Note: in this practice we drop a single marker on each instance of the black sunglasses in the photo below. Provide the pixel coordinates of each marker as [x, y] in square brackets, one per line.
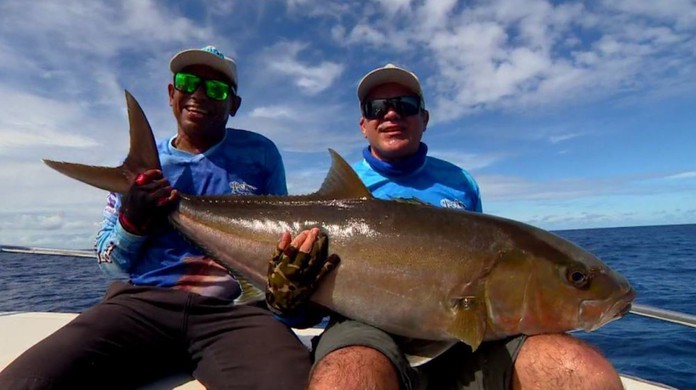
[214, 89]
[403, 105]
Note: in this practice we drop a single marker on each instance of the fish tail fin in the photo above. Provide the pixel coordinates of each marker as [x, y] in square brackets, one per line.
[141, 156]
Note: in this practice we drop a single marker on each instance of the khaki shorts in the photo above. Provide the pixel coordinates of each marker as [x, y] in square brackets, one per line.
[490, 367]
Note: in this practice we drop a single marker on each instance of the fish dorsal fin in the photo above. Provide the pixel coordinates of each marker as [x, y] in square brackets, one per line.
[342, 182]
[141, 157]
[419, 352]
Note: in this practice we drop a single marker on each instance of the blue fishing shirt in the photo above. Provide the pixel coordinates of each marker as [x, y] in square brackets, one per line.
[428, 179]
[243, 163]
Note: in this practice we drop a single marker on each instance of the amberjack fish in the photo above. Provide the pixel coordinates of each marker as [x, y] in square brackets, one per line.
[425, 273]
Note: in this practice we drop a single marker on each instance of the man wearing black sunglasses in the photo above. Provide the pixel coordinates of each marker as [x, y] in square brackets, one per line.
[395, 162]
[352, 355]
[177, 311]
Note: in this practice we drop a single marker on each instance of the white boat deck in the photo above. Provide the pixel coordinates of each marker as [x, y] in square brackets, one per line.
[20, 330]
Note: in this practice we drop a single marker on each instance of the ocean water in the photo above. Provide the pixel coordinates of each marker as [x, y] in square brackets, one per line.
[659, 261]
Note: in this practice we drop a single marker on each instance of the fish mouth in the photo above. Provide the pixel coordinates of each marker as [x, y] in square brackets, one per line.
[594, 314]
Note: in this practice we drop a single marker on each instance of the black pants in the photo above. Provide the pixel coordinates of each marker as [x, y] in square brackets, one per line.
[138, 334]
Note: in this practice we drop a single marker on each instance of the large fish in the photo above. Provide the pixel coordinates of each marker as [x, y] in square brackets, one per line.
[413, 270]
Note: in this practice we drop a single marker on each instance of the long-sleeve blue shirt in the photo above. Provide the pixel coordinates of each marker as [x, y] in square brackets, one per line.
[242, 163]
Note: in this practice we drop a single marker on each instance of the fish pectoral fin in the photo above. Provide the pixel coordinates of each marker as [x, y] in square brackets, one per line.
[469, 324]
[250, 293]
[419, 351]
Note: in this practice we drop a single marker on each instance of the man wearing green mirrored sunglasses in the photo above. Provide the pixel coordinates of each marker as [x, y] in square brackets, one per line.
[177, 312]
[203, 95]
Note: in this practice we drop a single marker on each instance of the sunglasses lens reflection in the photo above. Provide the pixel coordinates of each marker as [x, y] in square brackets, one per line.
[403, 105]
[214, 89]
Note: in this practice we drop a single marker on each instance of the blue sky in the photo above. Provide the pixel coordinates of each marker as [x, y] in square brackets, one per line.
[569, 114]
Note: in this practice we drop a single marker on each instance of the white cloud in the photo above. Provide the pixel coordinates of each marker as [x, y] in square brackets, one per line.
[23, 126]
[469, 161]
[366, 34]
[434, 14]
[681, 176]
[283, 59]
[394, 7]
[317, 8]
[504, 54]
[554, 139]
[681, 12]
[325, 127]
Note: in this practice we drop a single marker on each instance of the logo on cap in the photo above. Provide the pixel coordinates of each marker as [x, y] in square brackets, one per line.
[214, 50]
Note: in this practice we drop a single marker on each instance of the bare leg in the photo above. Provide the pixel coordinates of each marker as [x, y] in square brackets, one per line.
[560, 361]
[354, 367]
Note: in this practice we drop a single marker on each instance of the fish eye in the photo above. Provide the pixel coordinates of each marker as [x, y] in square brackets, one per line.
[578, 278]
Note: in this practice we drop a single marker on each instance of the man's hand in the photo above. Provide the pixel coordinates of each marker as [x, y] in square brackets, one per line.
[147, 203]
[293, 274]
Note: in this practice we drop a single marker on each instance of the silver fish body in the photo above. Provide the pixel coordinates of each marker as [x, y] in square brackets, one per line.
[415, 270]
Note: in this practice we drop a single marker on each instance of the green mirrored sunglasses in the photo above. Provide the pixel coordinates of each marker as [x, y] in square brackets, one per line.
[214, 89]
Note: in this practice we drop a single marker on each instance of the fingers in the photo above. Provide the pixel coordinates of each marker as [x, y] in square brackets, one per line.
[299, 239]
[305, 240]
[321, 246]
[160, 194]
[170, 199]
[310, 239]
[148, 176]
[331, 263]
[284, 241]
[152, 180]
[298, 250]
[156, 189]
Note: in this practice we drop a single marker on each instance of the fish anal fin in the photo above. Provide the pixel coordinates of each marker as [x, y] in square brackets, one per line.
[419, 351]
[469, 325]
[342, 182]
[250, 293]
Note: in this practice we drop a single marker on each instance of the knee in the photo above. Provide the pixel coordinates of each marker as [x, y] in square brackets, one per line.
[562, 361]
[354, 367]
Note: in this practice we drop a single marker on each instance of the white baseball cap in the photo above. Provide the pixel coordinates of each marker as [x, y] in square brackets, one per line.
[389, 73]
[209, 56]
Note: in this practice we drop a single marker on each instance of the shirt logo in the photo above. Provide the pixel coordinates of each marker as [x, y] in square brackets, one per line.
[105, 257]
[242, 188]
[452, 204]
